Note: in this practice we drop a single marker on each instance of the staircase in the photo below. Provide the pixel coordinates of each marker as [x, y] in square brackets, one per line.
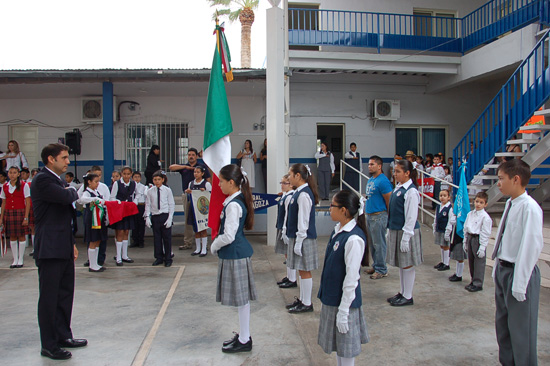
[486, 142]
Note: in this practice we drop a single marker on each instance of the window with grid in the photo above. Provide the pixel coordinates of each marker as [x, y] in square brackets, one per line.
[172, 138]
[435, 23]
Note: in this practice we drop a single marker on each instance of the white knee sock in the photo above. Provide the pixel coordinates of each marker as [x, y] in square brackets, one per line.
[92, 257]
[22, 245]
[446, 257]
[291, 274]
[204, 242]
[401, 280]
[14, 252]
[307, 285]
[118, 251]
[442, 255]
[459, 269]
[244, 323]
[345, 361]
[125, 249]
[198, 244]
[408, 282]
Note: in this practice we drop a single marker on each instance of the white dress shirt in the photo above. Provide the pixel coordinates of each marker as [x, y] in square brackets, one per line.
[101, 188]
[319, 155]
[438, 171]
[478, 223]
[140, 192]
[207, 187]
[412, 198]
[522, 239]
[304, 208]
[286, 197]
[114, 190]
[167, 203]
[353, 254]
[11, 189]
[233, 214]
[87, 197]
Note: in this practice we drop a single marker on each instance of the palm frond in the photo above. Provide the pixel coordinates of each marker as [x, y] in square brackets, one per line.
[234, 15]
[220, 12]
[219, 2]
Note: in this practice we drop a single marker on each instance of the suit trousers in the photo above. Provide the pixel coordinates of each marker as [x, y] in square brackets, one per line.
[55, 304]
[162, 238]
[476, 264]
[515, 321]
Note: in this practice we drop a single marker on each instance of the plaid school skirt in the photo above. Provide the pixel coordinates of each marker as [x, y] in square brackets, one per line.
[308, 261]
[236, 285]
[439, 239]
[345, 345]
[13, 223]
[280, 246]
[395, 257]
[31, 217]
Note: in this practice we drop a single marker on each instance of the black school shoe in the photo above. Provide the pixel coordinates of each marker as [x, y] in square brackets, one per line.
[101, 269]
[402, 301]
[455, 278]
[439, 265]
[59, 354]
[232, 340]
[283, 281]
[301, 308]
[87, 264]
[237, 346]
[475, 288]
[296, 302]
[468, 286]
[288, 284]
[444, 268]
[394, 297]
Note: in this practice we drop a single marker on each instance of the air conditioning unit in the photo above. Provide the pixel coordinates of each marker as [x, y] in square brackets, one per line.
[91, 110]
[388, 110]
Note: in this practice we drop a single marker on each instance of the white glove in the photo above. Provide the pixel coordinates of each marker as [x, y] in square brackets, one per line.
[519, 296]
[447, 237]
[118, 201]
[214, 247]
[481, 252]
[298, 248]
[465, 247]
[286, 240]
[405, 245]
[168, 224]
[433, 228]
[148, 222]
[387, 235]
[342, 321]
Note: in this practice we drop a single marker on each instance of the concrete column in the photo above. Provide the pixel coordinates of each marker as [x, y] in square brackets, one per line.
[277, 164]
[108, 132]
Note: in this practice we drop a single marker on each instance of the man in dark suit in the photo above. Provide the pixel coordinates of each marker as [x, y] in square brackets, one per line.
[55, 253]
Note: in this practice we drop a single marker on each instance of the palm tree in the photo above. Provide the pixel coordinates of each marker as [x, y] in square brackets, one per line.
[245, 14]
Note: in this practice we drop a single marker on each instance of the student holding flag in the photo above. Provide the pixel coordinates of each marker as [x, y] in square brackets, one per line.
[460, 209]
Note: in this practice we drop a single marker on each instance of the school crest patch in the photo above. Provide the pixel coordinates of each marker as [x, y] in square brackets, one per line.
[221, 216]
[336, 245]
[292, 201]
[398, 193]
[444, 213]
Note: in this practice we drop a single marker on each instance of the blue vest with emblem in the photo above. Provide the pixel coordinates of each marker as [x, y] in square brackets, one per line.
[442, 218]
[126, 193]
[396, 218]
[292, 217]
[281, 211]
[334, 270]
[240, 248]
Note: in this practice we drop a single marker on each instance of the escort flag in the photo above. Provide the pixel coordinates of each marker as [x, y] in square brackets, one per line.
[462, 202]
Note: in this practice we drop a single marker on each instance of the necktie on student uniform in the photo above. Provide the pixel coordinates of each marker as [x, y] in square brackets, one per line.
[158, 198]
[501, 231]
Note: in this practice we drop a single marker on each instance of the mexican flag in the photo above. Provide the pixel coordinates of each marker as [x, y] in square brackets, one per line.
[217, 127]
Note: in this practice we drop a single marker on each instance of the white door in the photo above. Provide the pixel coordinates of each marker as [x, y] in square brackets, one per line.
[27, 138]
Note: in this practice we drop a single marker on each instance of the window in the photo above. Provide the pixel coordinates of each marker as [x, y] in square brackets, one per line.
[172, 138]
[421, 140]
[435, 23]
[301, 19]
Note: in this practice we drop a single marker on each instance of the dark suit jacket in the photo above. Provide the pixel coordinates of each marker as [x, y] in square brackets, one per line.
[53, 214]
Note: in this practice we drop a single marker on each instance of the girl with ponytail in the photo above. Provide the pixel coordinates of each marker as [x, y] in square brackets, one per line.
[235, 278]
[342, 325]
[300, 234]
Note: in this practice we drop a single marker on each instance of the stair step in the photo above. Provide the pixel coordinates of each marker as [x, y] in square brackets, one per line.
[507, 153]
[542, 112]
[541, 32]
[532, 185]
[490, 166]
[522, 141]
[495, 177]
[538, 127]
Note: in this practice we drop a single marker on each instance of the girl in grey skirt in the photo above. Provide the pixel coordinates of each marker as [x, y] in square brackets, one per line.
[443, 228]
[235, 278]
[342, 326]
[280, 246]
[403, 238]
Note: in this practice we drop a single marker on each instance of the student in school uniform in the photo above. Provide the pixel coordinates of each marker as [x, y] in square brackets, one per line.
[235, 285]
[404, 241]
[353, 158]
[518, 246]
[477, 230]
[115, 177]
[442, 229]
[199, 183]
[325, 170]
[280, 247]
[69, 178]
[92, 235]
[300, 234]
[342, 325]
[16, 202]
[438, 172]
[138, 234]
[159, 214]
[123, 190]
[25, 175]
[457, 252]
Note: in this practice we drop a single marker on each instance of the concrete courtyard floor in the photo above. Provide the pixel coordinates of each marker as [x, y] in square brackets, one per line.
[143, 315]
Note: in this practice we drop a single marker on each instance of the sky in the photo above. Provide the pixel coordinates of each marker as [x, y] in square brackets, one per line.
[121, 34]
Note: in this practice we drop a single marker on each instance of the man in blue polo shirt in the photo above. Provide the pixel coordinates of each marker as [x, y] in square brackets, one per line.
[187, 176]
[378, 193]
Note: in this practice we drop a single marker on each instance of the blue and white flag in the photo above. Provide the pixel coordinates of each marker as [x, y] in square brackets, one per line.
[264, 200]
[462, 202]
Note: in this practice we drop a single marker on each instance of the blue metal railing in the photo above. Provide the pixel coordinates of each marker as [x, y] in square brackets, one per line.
[316, 27]
[525, 92]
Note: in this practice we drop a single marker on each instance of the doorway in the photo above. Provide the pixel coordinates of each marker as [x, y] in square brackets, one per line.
[27, 138]
[333, 135]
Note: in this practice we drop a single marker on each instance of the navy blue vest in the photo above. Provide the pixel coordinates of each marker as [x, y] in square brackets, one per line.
[442, 218]
[281, 210]
[195, 186]
[292, 217]
[125, 193]
[396, 218]
[240, 248]
[334, 270]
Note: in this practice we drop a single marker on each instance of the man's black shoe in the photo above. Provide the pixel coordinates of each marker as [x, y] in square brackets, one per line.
[73, 343]
[59, 354]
